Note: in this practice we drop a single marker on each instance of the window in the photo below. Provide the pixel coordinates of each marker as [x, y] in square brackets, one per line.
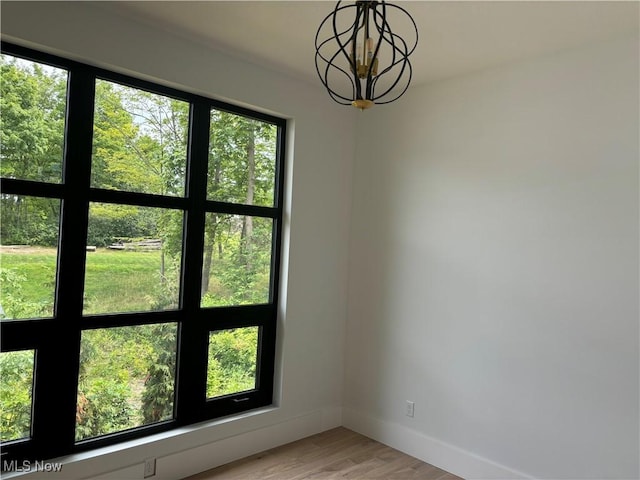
[139, 256]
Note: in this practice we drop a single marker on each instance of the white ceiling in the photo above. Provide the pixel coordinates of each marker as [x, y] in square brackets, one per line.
[456, 37]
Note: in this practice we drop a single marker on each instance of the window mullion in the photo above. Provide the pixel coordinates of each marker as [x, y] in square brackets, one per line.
[58, 361]
[192, 350]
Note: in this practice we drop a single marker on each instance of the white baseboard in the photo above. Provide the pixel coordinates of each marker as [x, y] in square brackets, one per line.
[180, 458]
[195, 460]
[448, 457]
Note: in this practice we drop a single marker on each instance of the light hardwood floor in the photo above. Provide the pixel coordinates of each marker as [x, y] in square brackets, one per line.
[334, 454]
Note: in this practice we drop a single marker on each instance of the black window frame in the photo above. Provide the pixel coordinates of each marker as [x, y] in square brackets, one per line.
[56, 340]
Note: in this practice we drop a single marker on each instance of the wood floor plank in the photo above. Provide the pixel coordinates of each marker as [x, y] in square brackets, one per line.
[335, 454]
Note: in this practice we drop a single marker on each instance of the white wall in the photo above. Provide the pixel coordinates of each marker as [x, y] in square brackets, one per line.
[311, 330]
[494, 270]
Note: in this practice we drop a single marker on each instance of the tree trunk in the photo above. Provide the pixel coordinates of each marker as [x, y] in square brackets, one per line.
[209, 242]
[247, 227]
[162, 266]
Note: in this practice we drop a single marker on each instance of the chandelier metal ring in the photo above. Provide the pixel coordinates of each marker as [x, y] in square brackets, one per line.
[363, 62]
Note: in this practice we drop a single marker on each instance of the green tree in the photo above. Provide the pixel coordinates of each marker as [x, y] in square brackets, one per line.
[32, 112]
[241, 170]
[139, 140]
[158, 395]
[32, 115]
[113, 134]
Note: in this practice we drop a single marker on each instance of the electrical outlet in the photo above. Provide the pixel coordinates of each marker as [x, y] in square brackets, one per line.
[410, 407]
[149, 467]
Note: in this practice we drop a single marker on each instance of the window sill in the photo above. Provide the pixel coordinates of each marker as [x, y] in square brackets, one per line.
[133, 452]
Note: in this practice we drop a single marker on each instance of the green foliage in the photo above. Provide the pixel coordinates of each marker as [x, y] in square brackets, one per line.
[157, 398]
[116, 366]
[112, 129]
[139, 141]
[32, 112]
[29, 221]
[241, 158]
[102, 407]
[241, 275]
[111, 222]
[108, 362]
[232, 361]
[12, 296]
[16, 384]
[241, 169]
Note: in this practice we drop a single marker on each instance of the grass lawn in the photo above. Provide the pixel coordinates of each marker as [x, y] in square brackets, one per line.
[115, 281]
[36, 271]
[121, 281]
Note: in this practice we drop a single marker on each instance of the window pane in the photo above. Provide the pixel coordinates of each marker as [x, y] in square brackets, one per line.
[232, 361]
[28, 256]
[127, 378]
[139, 141]
[242, 160]
[237, 260]
[32, 109]
[16, 387]
[133, 259]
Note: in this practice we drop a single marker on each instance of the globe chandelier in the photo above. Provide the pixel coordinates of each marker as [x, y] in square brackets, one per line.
[359, 59]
